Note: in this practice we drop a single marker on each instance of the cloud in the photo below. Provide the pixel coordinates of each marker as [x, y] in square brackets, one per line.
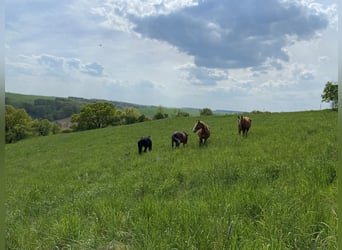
[116, 13]
[93, 69]
[202, 76]
[301, 73]
[53, 65]
[241, 55]
[233, 34]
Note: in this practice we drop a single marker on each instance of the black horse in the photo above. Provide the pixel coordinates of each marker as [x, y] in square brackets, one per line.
[145, 142]
[178, 138]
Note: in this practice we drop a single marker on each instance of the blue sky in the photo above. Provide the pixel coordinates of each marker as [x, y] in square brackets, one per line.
[245, 55]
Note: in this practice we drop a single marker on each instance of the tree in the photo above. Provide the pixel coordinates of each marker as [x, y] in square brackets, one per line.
[130, 115]
[160, 114]
[330, 94]
[180, 113]
[17, 124]
[42, 126]
[206, 111]
[95, 115]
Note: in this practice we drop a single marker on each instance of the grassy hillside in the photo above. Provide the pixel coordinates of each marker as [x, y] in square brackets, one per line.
[19, 99]
[275, 189]
[47, 109]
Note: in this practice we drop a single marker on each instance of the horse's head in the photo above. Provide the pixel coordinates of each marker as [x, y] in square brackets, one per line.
[198, 125]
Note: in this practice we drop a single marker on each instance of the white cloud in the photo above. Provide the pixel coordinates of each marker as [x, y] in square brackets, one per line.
[46, 64]
[116, 13]
[229, 34]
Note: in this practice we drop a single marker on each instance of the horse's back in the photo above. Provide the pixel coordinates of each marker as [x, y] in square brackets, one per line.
[248, 121]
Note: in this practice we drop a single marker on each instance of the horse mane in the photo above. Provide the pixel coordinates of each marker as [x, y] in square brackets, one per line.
[206, 127]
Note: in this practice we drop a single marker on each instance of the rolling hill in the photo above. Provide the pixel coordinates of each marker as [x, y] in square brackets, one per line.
[275, 189]
[57, 108]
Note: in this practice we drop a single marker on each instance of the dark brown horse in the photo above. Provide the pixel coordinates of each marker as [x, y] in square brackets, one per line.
[179, 137]
[202, 131]
[244, 124]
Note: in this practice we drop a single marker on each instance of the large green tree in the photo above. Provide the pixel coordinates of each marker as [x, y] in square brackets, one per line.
[18, 124]
[95, 115]
[330, 94]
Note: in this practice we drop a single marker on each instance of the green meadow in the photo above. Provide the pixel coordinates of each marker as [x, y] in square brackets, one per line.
[275, 189]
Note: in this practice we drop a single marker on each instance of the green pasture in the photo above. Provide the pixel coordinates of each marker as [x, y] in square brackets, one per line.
[275, 189]
[20, 99]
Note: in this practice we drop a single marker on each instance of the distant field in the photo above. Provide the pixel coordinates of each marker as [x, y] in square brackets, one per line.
[20, 98]
[19, 101]
[150, 111]
[275, 189]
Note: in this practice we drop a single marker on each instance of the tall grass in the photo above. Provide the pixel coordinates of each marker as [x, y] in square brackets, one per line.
[275, 189]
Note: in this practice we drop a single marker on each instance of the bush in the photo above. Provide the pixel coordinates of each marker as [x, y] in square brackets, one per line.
[17, 124]
[206, 111]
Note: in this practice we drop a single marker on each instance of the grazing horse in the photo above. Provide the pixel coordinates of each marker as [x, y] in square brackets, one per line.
[244, 123]
[202, 131]
[178, 138]
[145, 142]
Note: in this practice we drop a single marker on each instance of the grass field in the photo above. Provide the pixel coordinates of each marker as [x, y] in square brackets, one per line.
[275, 189]
[19, 99]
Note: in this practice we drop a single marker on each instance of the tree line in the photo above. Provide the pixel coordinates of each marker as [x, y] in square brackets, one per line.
[51, 110]
[20, 125]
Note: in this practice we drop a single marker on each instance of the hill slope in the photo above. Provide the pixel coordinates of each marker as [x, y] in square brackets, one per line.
[56, 108]
[275, 189]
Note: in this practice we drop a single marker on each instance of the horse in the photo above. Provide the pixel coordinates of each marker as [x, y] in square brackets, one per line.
[202, 131]
[145, 142]
[179, 137]
[244, 124]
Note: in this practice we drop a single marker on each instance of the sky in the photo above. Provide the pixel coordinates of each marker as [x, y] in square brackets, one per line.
[265, 55]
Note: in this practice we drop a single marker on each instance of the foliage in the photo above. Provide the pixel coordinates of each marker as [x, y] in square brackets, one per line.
[44, 127]
[45, 108]
[17, 124]
[180, 113]
[330, 94]
[160, 114]
[206, 111]
[131, 115]
[54, 108]
[96, 115]
[275, 189]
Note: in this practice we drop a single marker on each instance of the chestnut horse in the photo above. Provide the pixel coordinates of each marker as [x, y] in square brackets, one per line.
[202, 131]
[244, 124]
[179, 137]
